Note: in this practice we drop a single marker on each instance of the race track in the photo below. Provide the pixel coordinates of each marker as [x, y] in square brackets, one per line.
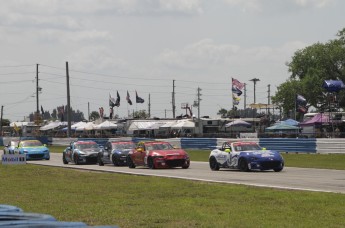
[322, 180]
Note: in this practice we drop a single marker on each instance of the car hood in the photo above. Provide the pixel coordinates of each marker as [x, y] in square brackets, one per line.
[35, 149]
[125, 151]
[262, 153]
[90, 151]
[167, 152]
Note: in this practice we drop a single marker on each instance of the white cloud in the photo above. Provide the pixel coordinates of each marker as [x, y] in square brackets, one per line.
[280, 5]
[198, 54]
[207, 54]
[96, 59]
[52, 35]
[313, 3]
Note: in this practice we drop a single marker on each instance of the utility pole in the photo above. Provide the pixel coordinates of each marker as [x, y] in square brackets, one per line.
[149, 106]
[254, 80]
[2, 110]
[88, 110]
[173, 100]
[199, 121]
[37, 91]
[245, 100]
[268, 99]
[68, 103]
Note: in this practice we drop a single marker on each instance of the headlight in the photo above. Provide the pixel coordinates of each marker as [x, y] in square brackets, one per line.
[25, 152]
[46, 151]
[159, 157]
[81, 152]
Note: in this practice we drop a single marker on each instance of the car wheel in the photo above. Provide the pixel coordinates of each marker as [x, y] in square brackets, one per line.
[214, 164]
[150, 163]
[99, 160]
[64, 160]
[186, 165]
[115, 161]
[76, 160]
[243, 165]
[130, 162]
[279, 169]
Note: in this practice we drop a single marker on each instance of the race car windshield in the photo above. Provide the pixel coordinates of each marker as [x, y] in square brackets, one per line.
[247, 147]
[124, 146]
[31, 143]
[86, 146]
[162, 146]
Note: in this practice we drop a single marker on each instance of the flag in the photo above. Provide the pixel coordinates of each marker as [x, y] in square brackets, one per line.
[301, 104]
[237, 84]
[111, 101]
[15, 127]
[111, 112]
[128, 98]
[235, 97]
[236, 91]
[117, 102]
[101, 112]
[42, 111]
[138, 99]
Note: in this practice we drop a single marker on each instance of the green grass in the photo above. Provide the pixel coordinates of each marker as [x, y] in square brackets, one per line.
[139, 201]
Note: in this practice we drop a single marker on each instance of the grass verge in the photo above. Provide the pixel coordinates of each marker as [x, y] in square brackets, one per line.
[138, 201]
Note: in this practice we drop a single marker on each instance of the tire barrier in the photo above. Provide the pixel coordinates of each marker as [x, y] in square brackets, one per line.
[11, 216]
[9, 208]
[298, 145]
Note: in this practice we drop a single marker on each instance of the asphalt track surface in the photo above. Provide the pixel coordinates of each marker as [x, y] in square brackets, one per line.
[319, 180]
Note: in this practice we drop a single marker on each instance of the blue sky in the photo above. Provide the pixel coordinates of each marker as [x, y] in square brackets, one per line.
[143, 45]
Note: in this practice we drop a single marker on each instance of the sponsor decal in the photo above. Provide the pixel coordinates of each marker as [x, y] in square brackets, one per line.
[13, 159]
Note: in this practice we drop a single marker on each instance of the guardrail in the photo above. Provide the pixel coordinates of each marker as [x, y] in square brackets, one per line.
[289, 145]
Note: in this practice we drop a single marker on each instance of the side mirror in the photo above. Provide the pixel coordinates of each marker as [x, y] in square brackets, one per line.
[227, 150]
[44, 144]
[140, 149]
[263, 148]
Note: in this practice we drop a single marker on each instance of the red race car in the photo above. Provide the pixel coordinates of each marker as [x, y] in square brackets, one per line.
[157, 154]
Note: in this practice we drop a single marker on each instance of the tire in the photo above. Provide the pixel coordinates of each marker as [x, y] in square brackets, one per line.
[76, 160]
[64, 160]
[115, 161]
[150, 163]
[99, 160]
[213, 164]
[279, 169]
[243, 165]
[131, 164]
[186, 166]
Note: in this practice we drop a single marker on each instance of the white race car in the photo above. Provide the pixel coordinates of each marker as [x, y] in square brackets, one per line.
[245, 156]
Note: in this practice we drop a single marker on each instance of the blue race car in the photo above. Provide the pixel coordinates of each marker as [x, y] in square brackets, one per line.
[245, 156]
[115, 152]
[33, 149]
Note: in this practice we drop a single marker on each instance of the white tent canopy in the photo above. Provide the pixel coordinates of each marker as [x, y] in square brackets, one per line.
[183, 124]
[238, 123]
[78, 125]
[86, 127]
[144, 125]
[52, 125]
[105, 126]
[168, 124]
[18, 124]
